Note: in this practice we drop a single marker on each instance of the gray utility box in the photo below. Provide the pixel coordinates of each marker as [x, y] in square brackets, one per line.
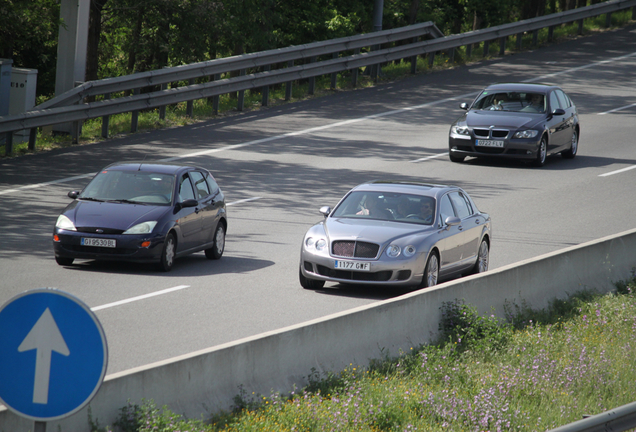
[22, 96]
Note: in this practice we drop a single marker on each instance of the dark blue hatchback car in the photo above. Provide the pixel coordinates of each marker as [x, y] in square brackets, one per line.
[143, 212]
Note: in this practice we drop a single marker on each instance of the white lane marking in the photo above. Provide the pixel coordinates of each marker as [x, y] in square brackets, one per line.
[429, 157]
[617, 109]
[242, 201]
[141, 297]
[332, 125]
[33, 186]
[618, 171]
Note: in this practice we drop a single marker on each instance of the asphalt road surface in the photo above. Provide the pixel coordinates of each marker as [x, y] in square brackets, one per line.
[278, 166]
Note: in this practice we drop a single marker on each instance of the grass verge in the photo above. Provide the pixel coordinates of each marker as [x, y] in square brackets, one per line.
[536, 370]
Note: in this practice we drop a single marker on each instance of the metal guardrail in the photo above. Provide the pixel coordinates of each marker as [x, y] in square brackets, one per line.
[616, 420]
[70, 106]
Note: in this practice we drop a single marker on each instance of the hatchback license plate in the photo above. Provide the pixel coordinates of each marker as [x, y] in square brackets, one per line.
[352, 265]
[489, 143]
[99, 242]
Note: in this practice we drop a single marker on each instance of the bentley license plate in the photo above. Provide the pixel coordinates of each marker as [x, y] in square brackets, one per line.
[99, 242]
[489, 143]
[352, 265]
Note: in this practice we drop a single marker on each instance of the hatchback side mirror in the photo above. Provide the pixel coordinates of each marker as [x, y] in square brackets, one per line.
[558, 112]
[189, 203]
[73, 194]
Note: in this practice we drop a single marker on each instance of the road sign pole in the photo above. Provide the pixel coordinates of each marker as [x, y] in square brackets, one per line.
[39, 426]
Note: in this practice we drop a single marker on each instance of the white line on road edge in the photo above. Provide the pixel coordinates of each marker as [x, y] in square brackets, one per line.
[333, 125]
[429, 157]
[242, 201]
[617, 109]
[141, 297]
[618, 171]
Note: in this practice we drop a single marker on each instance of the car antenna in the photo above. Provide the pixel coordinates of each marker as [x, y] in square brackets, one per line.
[141, 163]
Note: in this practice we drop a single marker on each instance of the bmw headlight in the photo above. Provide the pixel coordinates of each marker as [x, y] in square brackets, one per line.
[526, 134]
[460, 132]
[393, 251]
[65, 223]
[409, 251]
[142, 228]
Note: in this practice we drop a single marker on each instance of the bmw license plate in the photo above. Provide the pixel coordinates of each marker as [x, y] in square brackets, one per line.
[352, 265]
[99, 242]
[489, 143]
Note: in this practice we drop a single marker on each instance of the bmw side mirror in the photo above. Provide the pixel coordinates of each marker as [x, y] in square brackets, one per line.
[463, 105]
[73, 194]
[326, 210]
[558, 112]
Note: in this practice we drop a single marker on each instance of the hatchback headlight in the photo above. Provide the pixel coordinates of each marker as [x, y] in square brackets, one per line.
[65, 223]
[393, 251]
[142, 228]
[526, 134]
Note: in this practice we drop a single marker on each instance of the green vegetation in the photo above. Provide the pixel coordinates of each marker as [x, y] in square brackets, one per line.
[536, 371]
[203, 108]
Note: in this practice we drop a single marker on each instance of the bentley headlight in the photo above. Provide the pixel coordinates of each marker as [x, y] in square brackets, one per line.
[409, 251]
[526, 134]
[142, 228]
[65, 223]
[309, 242]
[393, 251]
[321, 244]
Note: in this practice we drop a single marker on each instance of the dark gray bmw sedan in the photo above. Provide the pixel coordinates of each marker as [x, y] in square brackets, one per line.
[516, 120]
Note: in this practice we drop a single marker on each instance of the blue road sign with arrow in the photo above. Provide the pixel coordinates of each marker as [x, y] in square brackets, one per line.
[53, 354]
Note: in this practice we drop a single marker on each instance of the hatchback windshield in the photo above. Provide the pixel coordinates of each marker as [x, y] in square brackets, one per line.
[130, 186]
[387, 206]
[511, 101]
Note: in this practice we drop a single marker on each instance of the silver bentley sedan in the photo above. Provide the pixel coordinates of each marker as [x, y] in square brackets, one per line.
[396, 234]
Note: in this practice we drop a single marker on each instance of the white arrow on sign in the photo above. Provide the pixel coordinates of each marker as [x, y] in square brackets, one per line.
[44, 337]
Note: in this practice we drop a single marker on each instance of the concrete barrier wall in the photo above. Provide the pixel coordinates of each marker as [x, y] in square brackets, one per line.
[204, 382]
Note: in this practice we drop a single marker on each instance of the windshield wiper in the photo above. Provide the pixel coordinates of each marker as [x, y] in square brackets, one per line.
[126, 201]
[91, 199]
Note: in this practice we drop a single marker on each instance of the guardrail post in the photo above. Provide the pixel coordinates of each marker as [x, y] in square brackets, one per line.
[105, 120]
[190, 103]
[241, 96]
[288, 84]
[334, 75]
[469, 50]
[580, 30]
[215, 99]
[33, 134]
[486, 48]
[8, 143]
[414, 60]
[76, 126]
[134, 118]
[535, 38]
[502, 46]
[312, 80]
[608, 19]
[162, 109]
[265, 89]
[451, 55]
[519, 41]
[431, 59]
[550, 33]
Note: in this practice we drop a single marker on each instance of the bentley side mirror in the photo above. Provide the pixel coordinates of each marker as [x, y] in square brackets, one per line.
[326, 210]
[463, 105]
[452, 221]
